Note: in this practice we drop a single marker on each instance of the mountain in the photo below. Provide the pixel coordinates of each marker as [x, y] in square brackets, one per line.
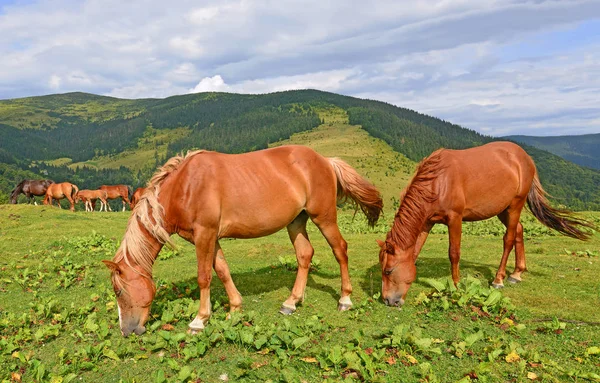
[92, 140]
[583, 150]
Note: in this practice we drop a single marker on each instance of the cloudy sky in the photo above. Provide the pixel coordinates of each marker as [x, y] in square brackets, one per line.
[498, 67]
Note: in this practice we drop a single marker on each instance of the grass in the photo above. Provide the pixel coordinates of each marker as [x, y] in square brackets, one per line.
[58, 320]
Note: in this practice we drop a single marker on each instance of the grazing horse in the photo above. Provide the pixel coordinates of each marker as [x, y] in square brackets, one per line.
[137, 194]
[30, 188]
[59, 191]
[117, 191]
[206, 196]
[452, 186]
[89, 197]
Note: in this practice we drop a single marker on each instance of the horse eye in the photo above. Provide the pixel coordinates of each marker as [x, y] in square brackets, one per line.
[118, 292]
[388, 272]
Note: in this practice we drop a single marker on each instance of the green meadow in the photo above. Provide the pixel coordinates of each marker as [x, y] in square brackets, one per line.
[59, 321]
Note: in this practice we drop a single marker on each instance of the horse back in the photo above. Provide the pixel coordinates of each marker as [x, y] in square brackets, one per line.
[485, 180]
[246, 195]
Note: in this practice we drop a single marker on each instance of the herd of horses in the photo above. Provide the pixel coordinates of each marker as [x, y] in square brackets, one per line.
[206, 196]
[52, 191]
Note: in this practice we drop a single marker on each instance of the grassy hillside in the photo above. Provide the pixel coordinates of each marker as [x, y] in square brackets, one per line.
[583, 150]
[59, 322]
[92, 140]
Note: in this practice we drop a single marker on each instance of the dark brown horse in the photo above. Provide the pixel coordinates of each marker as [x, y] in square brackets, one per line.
[59, 191]
[452, 186]
[207, 196]
[117, 191]
[137, 194]
[89, 197]
[30, 188]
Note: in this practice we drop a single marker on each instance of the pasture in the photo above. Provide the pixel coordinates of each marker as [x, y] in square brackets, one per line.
[59, 322]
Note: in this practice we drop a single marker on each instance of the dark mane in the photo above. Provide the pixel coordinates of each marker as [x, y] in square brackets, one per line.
[410, 216]
[15, 193]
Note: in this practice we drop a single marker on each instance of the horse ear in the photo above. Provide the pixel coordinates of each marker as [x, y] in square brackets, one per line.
[380, 242]
[113, 267]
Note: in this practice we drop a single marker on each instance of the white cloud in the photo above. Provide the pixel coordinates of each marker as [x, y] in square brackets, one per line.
[446, 58]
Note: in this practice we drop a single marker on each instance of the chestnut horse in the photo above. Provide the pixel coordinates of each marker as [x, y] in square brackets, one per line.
[452, 186]
[117, 191]
[30, 188]
[206, 196]
[59, 191]
[137, 194]
[89, 197]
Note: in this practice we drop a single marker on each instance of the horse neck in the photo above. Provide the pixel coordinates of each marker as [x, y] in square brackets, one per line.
[139, 249]
[410, 219]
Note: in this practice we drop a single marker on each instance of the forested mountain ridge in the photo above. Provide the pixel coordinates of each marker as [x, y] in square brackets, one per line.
[583, 150]
[83, 128]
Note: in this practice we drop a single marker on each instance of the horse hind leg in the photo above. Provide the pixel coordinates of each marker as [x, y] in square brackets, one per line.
[304, 254]
[339, 246]
[520, 265]
[510, 219]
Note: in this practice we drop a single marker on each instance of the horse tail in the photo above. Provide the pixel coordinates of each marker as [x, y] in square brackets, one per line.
[74, 190]
[352, 185]
[129, 192]
[560, 220]
[15, 193]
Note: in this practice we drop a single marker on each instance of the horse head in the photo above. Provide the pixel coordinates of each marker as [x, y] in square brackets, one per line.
[398, 272]
[134, 292]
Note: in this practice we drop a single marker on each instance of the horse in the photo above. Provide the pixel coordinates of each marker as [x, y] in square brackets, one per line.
[117, 191]
[206, 196]
[59, 191]
[452, 186]
[89, 197]
[30, 188]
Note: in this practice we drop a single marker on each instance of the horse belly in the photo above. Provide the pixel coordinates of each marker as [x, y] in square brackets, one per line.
[253, 220]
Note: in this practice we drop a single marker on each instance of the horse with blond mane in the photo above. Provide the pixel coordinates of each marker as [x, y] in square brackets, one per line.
[59, 191]
[452, 186]
[206, 196]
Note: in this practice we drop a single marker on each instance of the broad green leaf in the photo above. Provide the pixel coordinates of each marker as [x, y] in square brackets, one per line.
[298, 342]
[436, 284]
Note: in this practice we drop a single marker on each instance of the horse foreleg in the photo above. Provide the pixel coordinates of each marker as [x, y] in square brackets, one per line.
[222, 270]
[520, 265]
[205, 254]
[304, 254]
[455, 234]
[421, 241]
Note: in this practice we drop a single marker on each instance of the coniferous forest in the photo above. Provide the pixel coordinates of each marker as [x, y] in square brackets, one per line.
[81, 127]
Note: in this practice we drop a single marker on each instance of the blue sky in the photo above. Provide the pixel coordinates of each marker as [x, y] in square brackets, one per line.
[498, 67]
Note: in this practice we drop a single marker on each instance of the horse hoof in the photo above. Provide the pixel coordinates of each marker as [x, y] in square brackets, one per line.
[344, 307]
[285, 310]
[513, 280]
[194, 331]
[497, 285]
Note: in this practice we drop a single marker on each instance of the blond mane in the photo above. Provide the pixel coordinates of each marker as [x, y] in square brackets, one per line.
[148, 214]
[410, 216]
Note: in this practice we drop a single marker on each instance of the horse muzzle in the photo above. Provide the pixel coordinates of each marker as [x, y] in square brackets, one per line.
[394, 301]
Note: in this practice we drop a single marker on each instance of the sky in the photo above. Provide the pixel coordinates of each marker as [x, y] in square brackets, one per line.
[498, 67]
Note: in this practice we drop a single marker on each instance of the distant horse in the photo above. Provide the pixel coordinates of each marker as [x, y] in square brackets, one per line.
[452, 186]
[117, 191]
[137, 194]
[59, 191]
[206, 196]
[30, 188]
[89, 197]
